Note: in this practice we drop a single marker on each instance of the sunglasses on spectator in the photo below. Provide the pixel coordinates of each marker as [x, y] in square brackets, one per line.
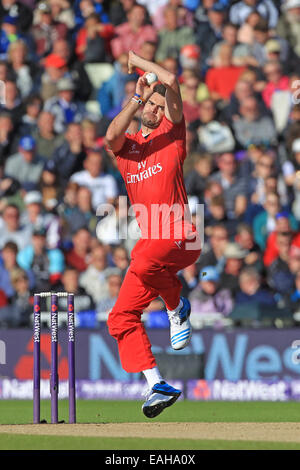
[285, 234]
[266, 165]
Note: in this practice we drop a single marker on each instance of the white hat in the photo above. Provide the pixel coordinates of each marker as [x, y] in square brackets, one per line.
[296, 145]
[288, 4]
[33, 197]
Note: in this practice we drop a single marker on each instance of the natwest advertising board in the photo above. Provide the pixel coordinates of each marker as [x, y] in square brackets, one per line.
[254, 355]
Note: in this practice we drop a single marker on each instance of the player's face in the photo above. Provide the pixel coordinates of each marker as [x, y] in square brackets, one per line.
[154, 111]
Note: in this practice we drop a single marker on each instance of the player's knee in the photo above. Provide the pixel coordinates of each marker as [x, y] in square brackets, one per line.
[120, 322]
[113, 323]
[143, 269]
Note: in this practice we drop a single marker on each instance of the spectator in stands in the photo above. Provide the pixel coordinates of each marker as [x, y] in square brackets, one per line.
[35, 217]
[173, 37]
[84, 8]
[234, 186]
[46, 30]
[213, 136]
[119, 9]
[47, 264]
[213, 255]
[62, 12]
[102, 185]
[264, 46]
[282, 234]
[246, 30]
[243, 89]
[13, 103]
[92, 41]
[264, 223]
[21, 302]
[190, 102]
[78, 257]
[196, 179]
[245, 239]
[8, 263]
[131, 34]
[69, 156]
[25, 166]
[253, 127]
[210, 296]
[279, 276]
[55, 68]
[250, 291]
[222, 77]
[64, 107]
[82, 214]
[6, 134]
[217, 215]
[120, 259]
[8, 34]
[94, 278]
[70, 283]
[19, 10]
[291, 166]
[295, 296]
[89, 134]
[209, 32]
[212, 189]
[27, 126]
[17, 56]
[265, 168]
[276, 81]
[45, 137]
[114, 282]
[241, 53]
[234, 257]
[289, 24]
[49, 187]
[266, 8]
[111, 93]
[76, 70]
[12, 229]
[185, 16]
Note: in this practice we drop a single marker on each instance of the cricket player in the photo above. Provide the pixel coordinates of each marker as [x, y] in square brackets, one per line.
[150, 162]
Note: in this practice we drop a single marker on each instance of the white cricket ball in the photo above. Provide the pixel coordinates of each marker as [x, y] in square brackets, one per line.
[151, 78]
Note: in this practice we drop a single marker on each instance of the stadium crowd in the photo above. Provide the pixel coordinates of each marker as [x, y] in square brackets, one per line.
[64, 67]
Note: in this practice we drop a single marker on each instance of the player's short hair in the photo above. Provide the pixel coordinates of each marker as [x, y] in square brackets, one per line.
[160, 89]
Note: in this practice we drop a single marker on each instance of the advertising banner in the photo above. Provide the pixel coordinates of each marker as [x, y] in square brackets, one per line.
[235, 355]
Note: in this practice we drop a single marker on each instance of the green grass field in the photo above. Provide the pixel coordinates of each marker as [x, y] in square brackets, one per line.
[20, 412]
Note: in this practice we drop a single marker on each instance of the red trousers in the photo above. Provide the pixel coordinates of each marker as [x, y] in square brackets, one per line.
[152, 273]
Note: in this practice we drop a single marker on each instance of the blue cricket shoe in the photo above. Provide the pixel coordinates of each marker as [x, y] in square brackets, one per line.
[161, 396]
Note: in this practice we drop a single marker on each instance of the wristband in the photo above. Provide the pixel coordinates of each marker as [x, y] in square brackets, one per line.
[137, 100]
[136, 94]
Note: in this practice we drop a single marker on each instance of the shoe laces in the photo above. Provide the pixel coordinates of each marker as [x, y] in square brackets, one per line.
[174, 317]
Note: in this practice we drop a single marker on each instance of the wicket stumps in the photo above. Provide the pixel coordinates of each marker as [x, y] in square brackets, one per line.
[54, 379]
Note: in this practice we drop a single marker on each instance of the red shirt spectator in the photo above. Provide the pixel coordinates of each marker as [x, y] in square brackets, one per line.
[87, 39]
[222, 77]
[46, 31]
[132, 34]
[276, 81]
[78, 257]
[283, 231]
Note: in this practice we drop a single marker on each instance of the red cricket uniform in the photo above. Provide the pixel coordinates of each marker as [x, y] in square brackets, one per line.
[152, 170]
